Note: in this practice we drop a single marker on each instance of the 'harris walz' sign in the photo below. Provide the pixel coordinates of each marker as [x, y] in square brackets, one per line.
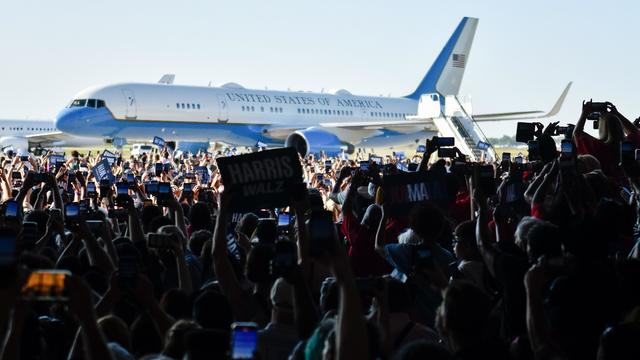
[405, 189]
[262, 179]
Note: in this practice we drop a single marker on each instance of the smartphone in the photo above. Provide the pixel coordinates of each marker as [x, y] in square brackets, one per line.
[166, 167]
[151, 188]
[364, 166]
[511, 195]
[105, 187]
[376, 159]
[7, 249]
[518, 160]
[159, 241]
[131, 178]
[327, 165]
[285, 259]
[187, 188]
[122, 188]
[46, 285]
[164, 192]
[421, 149]
[91, 189]
[566, 148]
[15, 175]
[483, 145]
[320, 177]
[244, 338]
[506, 156]
[321, 230]
[637, 155]
[525, 132]
[445, 141]
[284, 219]
[11, 209]
[71, 211]
[327, 182]
[158, 169]
[484, 177]
[447, 152]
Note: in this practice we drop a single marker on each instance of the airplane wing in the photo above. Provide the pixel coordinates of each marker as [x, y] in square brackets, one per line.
[47, 138]
[368, 125]
[526, 115]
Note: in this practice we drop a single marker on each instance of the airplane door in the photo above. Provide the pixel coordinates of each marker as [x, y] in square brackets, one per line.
[223, 109]
[132, 107]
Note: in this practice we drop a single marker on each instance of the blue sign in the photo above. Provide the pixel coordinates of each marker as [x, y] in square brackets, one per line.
[102, 171]
[158, 141]
[110, 157]
[204, 173]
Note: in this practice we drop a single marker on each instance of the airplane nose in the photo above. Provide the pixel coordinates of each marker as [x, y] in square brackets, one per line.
[68, 120]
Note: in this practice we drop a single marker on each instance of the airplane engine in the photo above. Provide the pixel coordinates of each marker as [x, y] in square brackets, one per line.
[15, 142]
[313, 140]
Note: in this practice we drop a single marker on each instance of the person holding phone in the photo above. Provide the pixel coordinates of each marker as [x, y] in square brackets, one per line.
[361, 234]
[613, 129]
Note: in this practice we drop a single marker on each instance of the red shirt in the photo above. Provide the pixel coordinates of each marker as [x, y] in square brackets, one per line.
[607, 154]
[461, 210]
[365, 261]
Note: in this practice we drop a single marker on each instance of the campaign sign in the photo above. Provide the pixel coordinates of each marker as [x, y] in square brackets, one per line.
[55, 161]
[110, 157]
[203, 172]
[405, 189]
[262, 179]
[158, 141]
[102, 171]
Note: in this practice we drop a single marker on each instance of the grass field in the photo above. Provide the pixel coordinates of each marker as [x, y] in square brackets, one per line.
[409, 151]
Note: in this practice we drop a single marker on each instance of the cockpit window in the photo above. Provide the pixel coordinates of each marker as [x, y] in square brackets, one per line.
[79, 103]
[92, 103]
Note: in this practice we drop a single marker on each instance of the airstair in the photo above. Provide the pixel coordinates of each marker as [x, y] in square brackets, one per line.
[452, 117]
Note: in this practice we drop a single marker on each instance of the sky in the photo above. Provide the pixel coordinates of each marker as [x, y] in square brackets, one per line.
[523, 55]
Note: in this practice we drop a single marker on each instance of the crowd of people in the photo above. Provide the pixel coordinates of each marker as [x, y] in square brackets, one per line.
[521, 258]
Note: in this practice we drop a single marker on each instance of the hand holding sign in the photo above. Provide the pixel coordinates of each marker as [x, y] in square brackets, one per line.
[261, 180]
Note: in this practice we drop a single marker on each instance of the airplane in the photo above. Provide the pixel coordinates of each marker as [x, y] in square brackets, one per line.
[337, 121]
[23, 134]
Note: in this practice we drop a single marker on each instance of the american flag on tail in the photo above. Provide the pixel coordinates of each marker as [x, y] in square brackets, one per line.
[458, 60]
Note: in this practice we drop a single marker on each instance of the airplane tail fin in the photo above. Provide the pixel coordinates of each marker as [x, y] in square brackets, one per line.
[445, 75]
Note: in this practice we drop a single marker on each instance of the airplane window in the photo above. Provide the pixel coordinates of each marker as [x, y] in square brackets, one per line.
[101, 104]
[79, 103]
[253, 109]
[281, 109]
[91, 103]
[182, 105]
[198, 106]
[261, 108]
[242, 107]
[188, 106]
[177, 105]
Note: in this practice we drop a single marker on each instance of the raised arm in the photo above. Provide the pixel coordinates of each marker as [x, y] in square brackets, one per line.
[352, 341]
[579, 129]
[229, 284]
[380, 234]
[482, 232]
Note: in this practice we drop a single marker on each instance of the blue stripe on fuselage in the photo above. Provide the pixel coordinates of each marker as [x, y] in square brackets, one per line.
[101, 123]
